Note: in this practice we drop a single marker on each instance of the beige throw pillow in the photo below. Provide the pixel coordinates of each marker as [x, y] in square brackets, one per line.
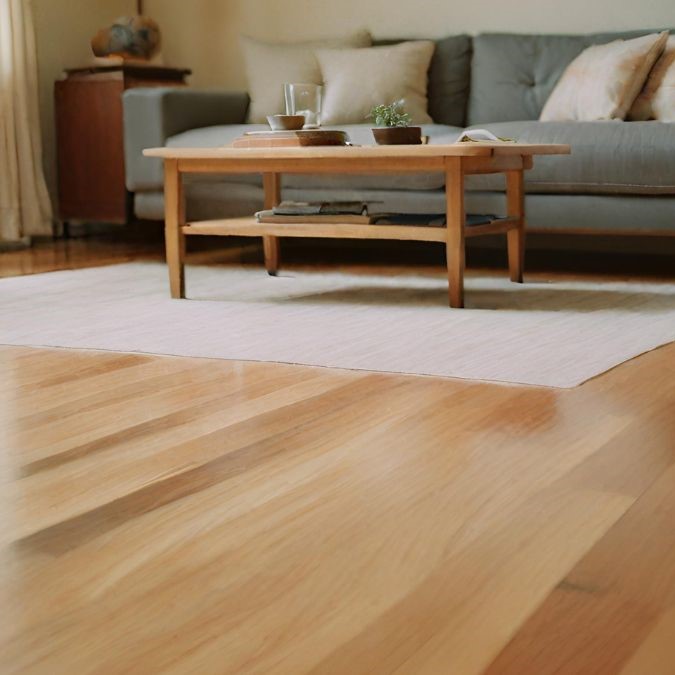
[355, 80]
[270, 66]
[657, 99]
[604, 80]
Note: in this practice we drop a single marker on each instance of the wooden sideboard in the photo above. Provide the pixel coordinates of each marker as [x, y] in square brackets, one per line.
[90, 137]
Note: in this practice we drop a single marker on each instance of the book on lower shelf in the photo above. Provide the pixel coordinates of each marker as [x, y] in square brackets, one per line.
[354, 212]
[409, 219]
[430, 220]
[334, 208]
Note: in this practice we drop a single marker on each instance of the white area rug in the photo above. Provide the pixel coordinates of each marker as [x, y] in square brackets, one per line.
[557, 334]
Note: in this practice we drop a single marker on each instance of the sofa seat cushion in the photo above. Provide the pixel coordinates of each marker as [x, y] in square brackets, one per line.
[360, 134]
[607, 157]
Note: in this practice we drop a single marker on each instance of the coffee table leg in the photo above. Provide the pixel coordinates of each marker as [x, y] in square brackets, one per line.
[456, 219]
[272, 186]
[174, 219]
[515, 199]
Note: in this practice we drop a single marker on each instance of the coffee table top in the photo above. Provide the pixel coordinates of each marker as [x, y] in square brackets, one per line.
[364, 151]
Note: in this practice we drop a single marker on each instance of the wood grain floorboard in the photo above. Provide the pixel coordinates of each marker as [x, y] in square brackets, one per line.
[627, 581]
[189, 480]
[170, 515]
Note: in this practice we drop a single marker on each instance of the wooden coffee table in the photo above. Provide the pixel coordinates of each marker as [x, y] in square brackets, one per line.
[455, 161]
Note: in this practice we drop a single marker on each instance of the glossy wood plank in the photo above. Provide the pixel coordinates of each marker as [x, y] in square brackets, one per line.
[655, 654]
[174, 515]
[627, 581]
[397, 501]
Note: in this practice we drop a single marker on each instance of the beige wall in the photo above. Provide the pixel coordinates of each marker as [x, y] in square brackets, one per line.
[63, 29]
[202, 34]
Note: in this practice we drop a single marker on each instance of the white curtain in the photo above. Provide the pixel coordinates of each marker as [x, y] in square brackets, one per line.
[25, 209]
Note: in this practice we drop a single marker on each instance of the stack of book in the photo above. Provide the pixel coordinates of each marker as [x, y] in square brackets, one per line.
[354, 213]
[317, 212]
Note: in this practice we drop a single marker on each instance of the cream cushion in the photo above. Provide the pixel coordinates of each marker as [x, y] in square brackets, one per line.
[355, 80]
[269, 66]
[657, 99]
[604, 80]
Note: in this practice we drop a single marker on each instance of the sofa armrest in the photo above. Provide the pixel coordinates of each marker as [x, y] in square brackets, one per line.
[151, 115]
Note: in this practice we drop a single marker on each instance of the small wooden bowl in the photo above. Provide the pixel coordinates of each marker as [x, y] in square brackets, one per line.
[286, 122]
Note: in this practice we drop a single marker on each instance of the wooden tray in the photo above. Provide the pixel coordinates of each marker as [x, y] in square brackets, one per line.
[291, 139]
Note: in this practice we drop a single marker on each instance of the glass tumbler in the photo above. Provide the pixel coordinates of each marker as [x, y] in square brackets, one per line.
[304, 99]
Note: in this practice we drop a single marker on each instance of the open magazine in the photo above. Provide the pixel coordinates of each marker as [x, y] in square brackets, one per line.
[482, 136]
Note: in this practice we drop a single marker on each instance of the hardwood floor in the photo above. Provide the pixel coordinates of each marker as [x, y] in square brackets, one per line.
[174, 515]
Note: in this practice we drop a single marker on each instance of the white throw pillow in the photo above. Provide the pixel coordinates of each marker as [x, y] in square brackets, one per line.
[269, 66]
[657, 99]
[604, 80]
[355, 80]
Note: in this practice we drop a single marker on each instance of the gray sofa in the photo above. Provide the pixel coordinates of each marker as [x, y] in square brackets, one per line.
[620, 177]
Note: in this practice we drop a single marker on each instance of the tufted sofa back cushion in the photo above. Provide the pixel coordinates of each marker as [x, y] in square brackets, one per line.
[449, 75]
[513, 75]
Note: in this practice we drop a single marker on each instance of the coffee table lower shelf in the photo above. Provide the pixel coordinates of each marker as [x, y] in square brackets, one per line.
[250, 227]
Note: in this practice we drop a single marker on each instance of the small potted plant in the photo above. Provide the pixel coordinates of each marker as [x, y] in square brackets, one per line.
[393, 125]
